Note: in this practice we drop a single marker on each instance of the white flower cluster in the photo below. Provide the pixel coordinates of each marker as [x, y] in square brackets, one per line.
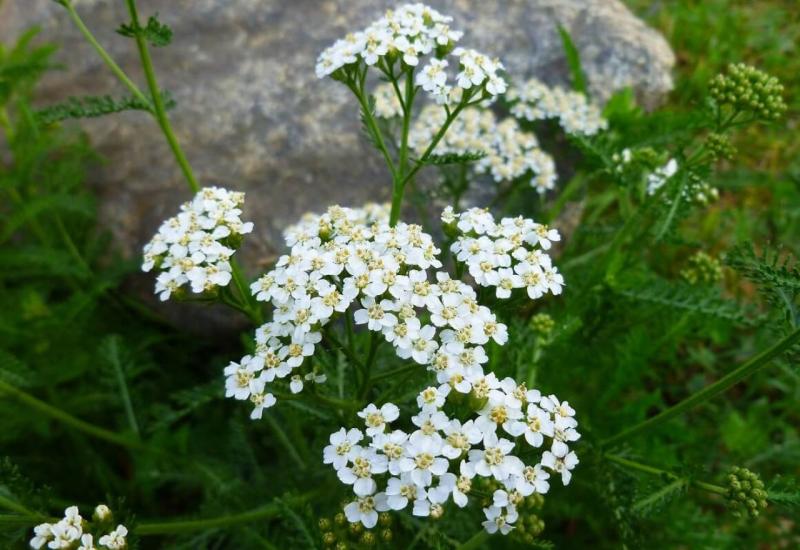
[195, 246]
[510, 153]
[444, 456]
[353, 257]
[661, 175]
[407, 33]
[70, 532]
[537, 101]
[503, 255]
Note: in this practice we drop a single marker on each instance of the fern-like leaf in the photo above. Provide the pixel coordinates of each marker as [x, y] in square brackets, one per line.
[777, 276]
[155, 32]
[680, 296]
[455, 158]
[95, 106]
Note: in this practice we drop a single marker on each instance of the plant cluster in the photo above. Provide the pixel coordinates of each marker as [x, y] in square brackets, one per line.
[403, 359]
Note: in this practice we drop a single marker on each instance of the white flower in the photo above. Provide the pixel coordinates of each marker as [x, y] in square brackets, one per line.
[562, 465]
[376, 419]
[576, 115]
[533, 480]
[261, 401]
[296, 384]
[102, 512]
[192, 247]
[423, 459]
[364, 463]
[499, 520]
[432, 75]
[494, 460]
[340, 450]
[42, 534]
[537, 425]
[87, 542]
[459, 438]
[365, 509]
[115, 540]
[375, 315]
[400, 491]
[432, 397]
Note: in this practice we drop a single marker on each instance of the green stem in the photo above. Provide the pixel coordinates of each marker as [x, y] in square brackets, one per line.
[734, 377]
[126, 397]
[374, 342]
[14, 506]
[478, 540]
[118, 72]
[66, 418]
[251, 307]
[710, 487]
[268, 511]
[394, 372]
[158, 102]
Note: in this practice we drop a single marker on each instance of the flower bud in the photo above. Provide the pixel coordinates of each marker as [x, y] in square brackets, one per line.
[746, 495]
[102, 513]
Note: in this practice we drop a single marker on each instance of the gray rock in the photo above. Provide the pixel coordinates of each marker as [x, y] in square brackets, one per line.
[252, 116]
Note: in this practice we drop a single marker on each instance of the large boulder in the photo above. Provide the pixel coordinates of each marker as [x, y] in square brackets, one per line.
[252, 116]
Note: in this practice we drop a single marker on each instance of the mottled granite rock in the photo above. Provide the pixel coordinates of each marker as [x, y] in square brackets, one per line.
[252, 116]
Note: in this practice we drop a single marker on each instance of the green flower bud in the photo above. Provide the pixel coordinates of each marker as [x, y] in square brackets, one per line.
[386, 535]
[746, 495]
[747, 89]
[329, 539]
[340, 519]
[703, 270]
[368, 539]
[385, 519]
[325, 524]
[542, 324]
[720, 147]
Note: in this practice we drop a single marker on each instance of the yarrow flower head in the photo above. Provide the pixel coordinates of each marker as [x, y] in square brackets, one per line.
[507, 255]
[508, 152]
[73, 531]
[444, 458]
[405, 36]
[536, 101]
[194, 248]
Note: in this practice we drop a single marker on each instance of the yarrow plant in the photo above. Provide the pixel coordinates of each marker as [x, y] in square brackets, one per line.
[195, 247]
[444, 457]
[75, 532]
[404, 372]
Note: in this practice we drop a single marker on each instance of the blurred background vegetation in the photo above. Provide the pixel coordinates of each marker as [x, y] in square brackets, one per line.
[102, 400]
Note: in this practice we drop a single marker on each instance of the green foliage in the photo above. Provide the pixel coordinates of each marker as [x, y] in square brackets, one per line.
[454, 158]
[633, 334]
[573, 62]
[776, 275]
[155, 32]
[95, 106]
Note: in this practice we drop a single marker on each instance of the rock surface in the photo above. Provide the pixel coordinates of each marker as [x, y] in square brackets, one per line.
[252, 116]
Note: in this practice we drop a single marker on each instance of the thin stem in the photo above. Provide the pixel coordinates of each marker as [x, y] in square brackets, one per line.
[14, 506]
[66, 418]
[123, 390]
[478, 540]
[374, 342]
[646, 468]
[251, 308]
[735, 376]
[268, 511]
[399, 187]
[158, 102]
[350, 356]
[394, 372]
[118, 72]
[372, 125]
[285, 441]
